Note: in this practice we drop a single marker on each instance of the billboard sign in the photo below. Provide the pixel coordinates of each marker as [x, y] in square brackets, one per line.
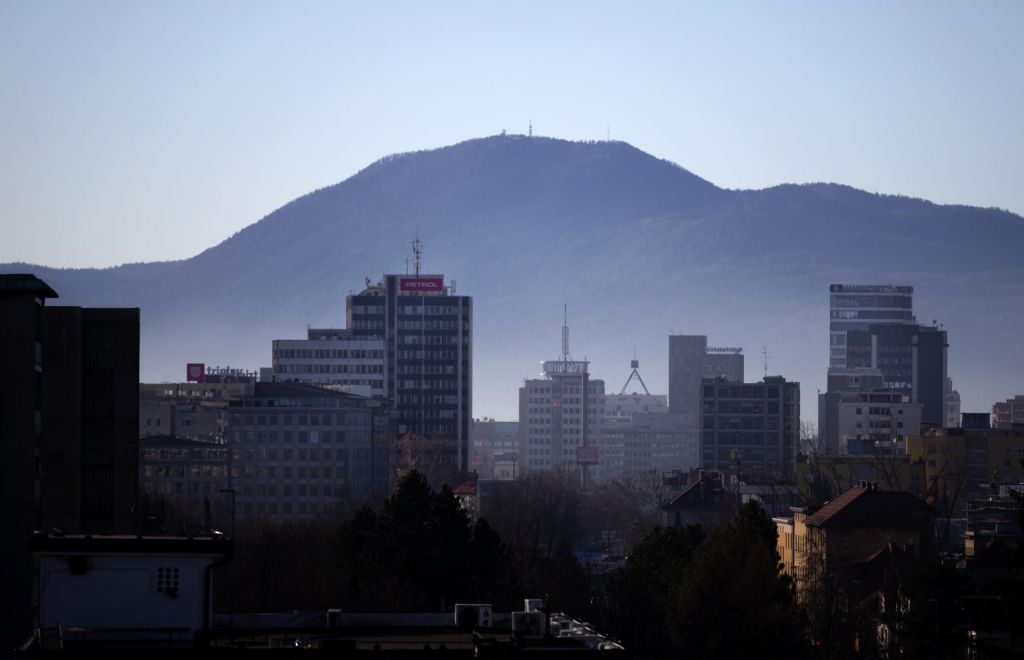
[195, 372]
[586, 455]
[565, 367]
[428, 284]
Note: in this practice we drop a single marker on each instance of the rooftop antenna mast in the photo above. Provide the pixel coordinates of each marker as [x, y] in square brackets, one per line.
[565, 333]
[635, 364]
[764, 354]
[417, 252]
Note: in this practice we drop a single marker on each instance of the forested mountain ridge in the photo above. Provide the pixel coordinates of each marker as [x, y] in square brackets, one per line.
[637, 246]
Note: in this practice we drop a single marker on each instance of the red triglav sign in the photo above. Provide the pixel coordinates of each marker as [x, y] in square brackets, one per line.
[195, 372]
[421, 284]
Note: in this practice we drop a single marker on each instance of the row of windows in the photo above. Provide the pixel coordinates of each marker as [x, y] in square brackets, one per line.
[431, 324]
[427, 355]
[301, 419]
[428, 384]
[198, 471]
[426, 369]
[329, 354]
[301, 437]
[304, 472]
[272, 453]
[433, 340]
[330, 369]
[430, 399]
[432, 310]
[185, 454]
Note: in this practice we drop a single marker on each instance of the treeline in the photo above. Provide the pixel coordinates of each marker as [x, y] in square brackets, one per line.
[683, 588]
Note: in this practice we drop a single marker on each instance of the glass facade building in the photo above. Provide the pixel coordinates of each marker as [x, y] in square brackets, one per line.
[856, 306]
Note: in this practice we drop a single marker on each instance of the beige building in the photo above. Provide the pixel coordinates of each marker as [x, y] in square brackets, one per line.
[816, 543]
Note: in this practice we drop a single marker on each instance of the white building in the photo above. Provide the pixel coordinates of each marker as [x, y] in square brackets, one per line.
[331, 356]
[137, 590]
[870, 420]
[561, 416]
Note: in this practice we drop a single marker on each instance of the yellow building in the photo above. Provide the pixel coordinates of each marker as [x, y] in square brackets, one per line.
[958, 463]
[816, 542]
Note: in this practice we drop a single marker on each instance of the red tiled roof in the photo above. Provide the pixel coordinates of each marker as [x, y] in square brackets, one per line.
[863, 507]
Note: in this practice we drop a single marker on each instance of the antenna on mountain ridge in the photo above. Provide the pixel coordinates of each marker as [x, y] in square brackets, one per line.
[531, 128]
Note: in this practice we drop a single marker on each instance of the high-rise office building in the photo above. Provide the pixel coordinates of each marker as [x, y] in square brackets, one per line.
[561, 416]
[690, 360]
[912, 359]
[427, 334]
[856, 306]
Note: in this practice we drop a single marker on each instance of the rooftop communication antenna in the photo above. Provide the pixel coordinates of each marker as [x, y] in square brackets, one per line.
[764, 354]
[635, 375]
[417, 253]
[565, 333]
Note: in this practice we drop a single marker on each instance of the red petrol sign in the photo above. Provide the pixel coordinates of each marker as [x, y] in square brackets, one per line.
[421, 284]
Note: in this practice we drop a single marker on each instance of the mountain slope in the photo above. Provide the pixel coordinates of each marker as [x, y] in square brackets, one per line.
[638, 247]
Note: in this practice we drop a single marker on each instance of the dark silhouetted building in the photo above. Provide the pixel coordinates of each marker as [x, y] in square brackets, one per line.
[750, 426]
[299, 451]
[69, 407]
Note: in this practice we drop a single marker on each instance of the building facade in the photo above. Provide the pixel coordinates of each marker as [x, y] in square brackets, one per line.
[495, 445]
[561, 416]
[966, 462]
[300, 451]
[1007, 413]
[331, 356]
[748, 426]
[912, 359]
[643, 442]
[856, 306]
[427, 334]
[69, 421]
[869, 423]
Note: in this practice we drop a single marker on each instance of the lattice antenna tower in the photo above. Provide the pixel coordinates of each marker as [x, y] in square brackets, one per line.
[634, 375]
[565, 332]
[417, 253]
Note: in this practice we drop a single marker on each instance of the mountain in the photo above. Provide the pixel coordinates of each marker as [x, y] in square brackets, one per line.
[637, 246]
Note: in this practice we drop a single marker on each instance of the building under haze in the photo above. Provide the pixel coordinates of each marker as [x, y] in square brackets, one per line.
[427, 335]
[69, 405]
[912, 359]
[561, 416]
[749, 426]
[856, 306]
[690, 361]
[332, 356]
[299, 451]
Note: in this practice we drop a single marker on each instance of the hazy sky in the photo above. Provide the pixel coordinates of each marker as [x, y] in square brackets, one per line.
[136, 131]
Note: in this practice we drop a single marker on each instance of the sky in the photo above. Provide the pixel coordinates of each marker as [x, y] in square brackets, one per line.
[151, 131]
